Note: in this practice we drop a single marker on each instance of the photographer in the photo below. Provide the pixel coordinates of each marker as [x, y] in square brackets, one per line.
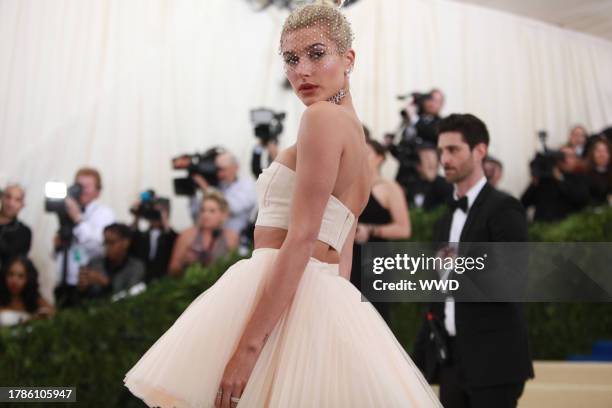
[88, 218]
[153, 246]
[263, 154]
[418, 128]
[267, 126]
[428, 116]
[239, 193]
[423, 116]
[15, 236]
[557, 190]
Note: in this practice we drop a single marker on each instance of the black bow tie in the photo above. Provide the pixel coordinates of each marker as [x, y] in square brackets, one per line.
[461, 203]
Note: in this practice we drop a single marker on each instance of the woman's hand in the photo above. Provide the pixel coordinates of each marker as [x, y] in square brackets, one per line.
[235, 377]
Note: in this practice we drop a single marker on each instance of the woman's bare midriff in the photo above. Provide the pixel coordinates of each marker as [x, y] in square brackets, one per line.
[272, 237]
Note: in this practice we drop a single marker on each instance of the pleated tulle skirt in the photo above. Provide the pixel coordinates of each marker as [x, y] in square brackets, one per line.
[329, 349]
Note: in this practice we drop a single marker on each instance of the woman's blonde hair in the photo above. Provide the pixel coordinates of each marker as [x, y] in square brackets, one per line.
[218, 197]
[326, 15]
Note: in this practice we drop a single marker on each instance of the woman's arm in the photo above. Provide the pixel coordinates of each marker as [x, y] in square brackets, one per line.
[399, 227]
[319, 149]
[178, 253]
[232, 239]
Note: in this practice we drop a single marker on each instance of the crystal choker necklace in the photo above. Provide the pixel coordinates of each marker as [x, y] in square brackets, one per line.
[337, 97]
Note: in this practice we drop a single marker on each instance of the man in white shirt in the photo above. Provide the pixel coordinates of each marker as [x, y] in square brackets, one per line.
[89, 218]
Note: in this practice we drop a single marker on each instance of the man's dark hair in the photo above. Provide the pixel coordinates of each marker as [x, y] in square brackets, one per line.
[121, 230]
[474, 130]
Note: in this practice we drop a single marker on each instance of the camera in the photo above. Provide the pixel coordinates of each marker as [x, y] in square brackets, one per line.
[198, 163]
[56, 192]
[149, 206]
[545, 161]
[418, 99]
[268, 125]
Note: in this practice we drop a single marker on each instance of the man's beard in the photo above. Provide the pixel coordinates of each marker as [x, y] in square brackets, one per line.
[460, 173]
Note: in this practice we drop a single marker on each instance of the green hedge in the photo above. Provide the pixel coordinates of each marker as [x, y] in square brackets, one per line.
[93, 347]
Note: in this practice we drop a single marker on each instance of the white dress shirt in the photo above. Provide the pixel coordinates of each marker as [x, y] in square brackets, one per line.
[153, 240]
[87, 242]
[459, 218]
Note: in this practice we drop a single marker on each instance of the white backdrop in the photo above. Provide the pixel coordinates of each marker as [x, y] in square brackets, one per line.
[124, 85]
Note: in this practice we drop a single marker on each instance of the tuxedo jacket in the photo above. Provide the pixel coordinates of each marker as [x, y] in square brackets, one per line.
[141, 245]
[491, 341]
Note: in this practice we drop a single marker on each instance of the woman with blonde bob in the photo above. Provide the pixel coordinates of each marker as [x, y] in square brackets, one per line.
[207, 241]
[285, 328]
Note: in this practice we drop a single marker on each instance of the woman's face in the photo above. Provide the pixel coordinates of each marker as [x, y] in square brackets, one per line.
[577, 136]
[16, 278]
[601, 155]
[211, 216]
[313, 66]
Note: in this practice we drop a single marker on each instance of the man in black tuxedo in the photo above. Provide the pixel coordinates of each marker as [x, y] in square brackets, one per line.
[487, 342]
[154, 246]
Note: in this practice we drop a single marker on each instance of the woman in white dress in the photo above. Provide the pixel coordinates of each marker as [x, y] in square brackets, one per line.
[285, 328]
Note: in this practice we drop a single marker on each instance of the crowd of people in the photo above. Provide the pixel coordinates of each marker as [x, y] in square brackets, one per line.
[563, 181]
[102, 257]
[579, 175]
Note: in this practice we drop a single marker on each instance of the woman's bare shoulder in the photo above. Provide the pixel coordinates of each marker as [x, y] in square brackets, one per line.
[327, 115]
[329, 125]
[391, 186]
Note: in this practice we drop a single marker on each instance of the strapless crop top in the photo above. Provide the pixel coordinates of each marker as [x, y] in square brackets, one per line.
[274, 194]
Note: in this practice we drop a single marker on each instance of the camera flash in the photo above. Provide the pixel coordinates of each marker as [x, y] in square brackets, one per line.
[55, 190]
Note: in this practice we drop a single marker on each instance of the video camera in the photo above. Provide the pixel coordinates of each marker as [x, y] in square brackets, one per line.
[202, 164]
[268, 125]
[545, 161]
[418, 99]
[149, 205]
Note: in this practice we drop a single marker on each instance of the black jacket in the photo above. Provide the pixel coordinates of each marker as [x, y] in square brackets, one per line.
[15, 239]
[141, 245]
[491, 338]
[554, 200]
